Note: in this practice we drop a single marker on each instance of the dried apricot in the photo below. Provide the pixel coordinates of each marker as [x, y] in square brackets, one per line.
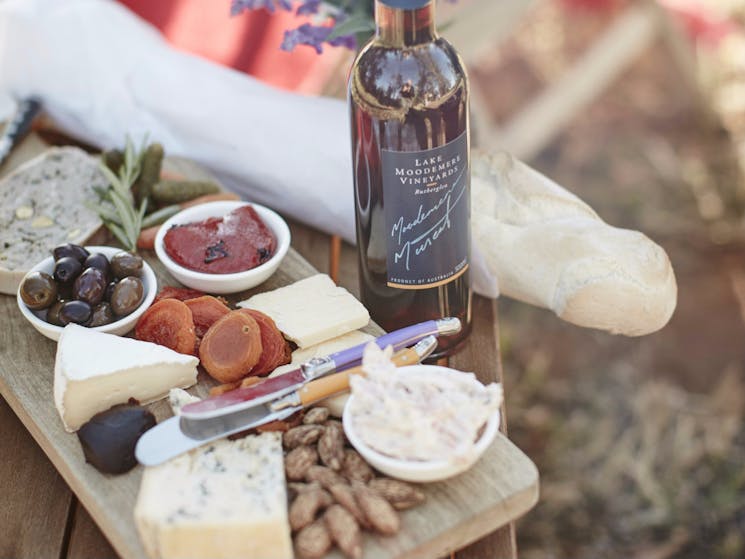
[168, 323]
[180, 293]
[205, 311]
[231, 347]
[273, 343]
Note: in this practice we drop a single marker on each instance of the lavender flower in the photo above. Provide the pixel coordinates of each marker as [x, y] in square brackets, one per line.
[309, 7]
[314, 36]
[351, 21]
[239, 6]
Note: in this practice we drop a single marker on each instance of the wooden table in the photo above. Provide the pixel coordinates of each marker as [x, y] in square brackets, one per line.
[41, 518]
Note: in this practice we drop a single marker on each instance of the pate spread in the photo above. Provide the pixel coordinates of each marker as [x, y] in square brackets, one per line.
[436, 415]
[234, 243]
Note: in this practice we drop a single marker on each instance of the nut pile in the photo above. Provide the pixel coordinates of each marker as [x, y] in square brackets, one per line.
[334, 494]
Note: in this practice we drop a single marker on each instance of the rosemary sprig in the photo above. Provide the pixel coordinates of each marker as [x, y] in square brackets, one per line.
[117, 208]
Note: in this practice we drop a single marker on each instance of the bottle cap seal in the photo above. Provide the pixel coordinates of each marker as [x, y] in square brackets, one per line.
[405, 4]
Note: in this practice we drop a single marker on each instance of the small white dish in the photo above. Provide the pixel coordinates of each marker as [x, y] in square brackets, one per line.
[224, 283]
[414, 470]
[119, 327]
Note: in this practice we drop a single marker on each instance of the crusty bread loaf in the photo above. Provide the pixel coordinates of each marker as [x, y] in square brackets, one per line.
[548, 248]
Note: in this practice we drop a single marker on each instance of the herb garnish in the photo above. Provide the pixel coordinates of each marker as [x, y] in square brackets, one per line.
[117, 207]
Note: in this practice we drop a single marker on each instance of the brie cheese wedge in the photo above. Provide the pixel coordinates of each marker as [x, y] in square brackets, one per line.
[94, 371]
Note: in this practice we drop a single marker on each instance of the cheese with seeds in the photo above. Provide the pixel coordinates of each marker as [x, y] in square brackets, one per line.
[94, 371]
[311, 311]
[42, 205]
[223, 500]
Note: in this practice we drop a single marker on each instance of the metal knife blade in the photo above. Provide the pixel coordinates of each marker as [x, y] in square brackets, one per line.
[175, 435]
[278, 386]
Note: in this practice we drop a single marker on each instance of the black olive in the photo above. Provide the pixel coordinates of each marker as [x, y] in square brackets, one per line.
[109, 290]
[66, 270]
[98, 260]
[127, 296]
[126, 264]
[90, 286]
[109, 438]
[38, 290]
[53, 316]
[102, 314]
[64, 291]
[75, 251]
[78, 312]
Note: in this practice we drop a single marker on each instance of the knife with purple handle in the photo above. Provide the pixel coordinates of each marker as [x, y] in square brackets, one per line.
[275, 387]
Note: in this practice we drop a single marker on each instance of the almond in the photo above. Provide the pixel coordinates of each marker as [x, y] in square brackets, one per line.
[313, 541]
[323, 475]
[355, 468]
[398, 493]
[344, 531]
[331, 446]
[302, 435]
[316, 415]
[378, 512]
[298, 461]
[305, 506]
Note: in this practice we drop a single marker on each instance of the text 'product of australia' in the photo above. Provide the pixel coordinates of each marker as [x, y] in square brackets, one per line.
[408, 96]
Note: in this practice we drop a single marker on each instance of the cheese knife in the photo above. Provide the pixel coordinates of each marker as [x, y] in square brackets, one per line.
[179, 434]
[18, 126]
[274, 387]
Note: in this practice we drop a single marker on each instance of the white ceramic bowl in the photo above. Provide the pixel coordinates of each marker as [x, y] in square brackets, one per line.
[224, 283]
[414, 470]
[119, 327]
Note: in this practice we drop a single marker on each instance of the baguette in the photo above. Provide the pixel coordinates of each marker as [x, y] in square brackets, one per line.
[545, 246]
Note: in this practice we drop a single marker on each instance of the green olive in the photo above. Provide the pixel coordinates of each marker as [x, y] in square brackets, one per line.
[126, 264]
[38, 290]
[127, 296]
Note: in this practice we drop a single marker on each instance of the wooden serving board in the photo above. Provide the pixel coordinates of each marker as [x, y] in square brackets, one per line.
[502, 486]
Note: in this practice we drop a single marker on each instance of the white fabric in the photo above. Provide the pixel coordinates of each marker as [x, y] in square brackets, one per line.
[103, 73]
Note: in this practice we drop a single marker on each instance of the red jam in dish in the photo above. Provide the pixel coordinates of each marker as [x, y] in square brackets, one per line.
[236, 242]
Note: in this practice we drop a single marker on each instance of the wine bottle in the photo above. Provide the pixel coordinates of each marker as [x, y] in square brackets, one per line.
[408, 97]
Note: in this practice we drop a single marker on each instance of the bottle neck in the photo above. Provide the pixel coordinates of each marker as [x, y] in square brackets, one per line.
[405, 27]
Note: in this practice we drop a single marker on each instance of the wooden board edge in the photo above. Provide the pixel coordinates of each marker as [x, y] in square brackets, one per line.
[467, 533]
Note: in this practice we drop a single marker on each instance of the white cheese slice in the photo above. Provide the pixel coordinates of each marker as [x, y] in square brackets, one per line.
[94, 371]
[223, 500]
[312, 310]
[335, 404]
[333, 345]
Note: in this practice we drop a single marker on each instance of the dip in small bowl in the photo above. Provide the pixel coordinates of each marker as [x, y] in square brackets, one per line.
[223, 247]
[422, 423]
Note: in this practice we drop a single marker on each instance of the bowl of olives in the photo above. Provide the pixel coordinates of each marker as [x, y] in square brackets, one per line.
[103, 288]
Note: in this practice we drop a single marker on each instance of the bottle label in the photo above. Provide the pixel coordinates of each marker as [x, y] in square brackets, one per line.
[427, 210]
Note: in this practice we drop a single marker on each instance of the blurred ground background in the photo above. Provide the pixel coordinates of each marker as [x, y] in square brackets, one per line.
[640, 442]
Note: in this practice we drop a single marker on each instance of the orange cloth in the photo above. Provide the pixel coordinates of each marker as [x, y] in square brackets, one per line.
[248, 42]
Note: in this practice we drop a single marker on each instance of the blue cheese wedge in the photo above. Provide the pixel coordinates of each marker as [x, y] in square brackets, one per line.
[94, 371]
[178, 398]
[311, 311]
[42, 205]
[223, 500]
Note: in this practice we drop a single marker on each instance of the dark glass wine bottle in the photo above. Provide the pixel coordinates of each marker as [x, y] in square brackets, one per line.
[408, 94]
